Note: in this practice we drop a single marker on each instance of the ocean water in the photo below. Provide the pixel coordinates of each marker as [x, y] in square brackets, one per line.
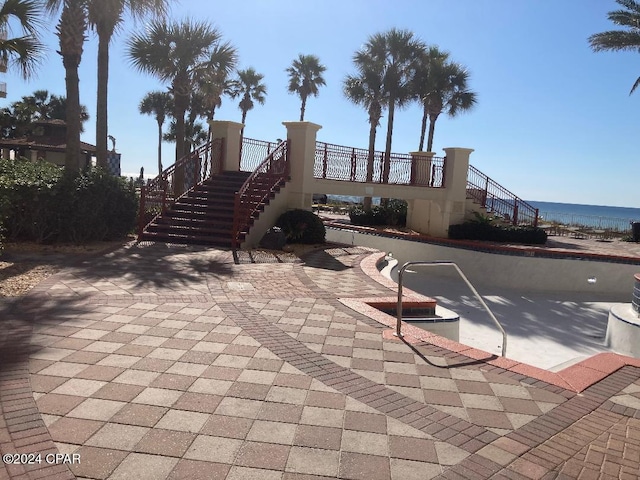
[596, 216]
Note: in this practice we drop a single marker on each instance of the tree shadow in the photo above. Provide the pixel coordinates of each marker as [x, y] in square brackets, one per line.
[325, 260]
[151, 265]
[19, 318]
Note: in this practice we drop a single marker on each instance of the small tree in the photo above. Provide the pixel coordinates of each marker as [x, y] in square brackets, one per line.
[305, 78]
[159, 104]
[249, 87]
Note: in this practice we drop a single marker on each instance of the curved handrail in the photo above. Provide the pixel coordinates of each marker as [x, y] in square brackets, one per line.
[466, 280]
[496, 198]
[178, 179]
[257, 188]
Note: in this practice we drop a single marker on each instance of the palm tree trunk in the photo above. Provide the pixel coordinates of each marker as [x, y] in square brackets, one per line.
[387, 150]
[101, 107]
[432, 127]
[72, 82]
[303, 108]
[71, 29]
[181, 102]
[159, 148]
[367, 201]
[423, 129]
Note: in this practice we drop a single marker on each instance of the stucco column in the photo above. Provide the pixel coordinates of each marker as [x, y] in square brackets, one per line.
[421, 168]
[231, 132]
[455, 182]
[302, 151]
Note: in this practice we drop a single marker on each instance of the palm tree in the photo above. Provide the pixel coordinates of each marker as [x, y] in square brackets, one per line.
[213, 84]
[158, 104]
[621, 39]
[305, 76]
[249, 87]
[40, 106]
[104, 17]
[58, 109]
[195, 134]
[395, 53]
[441, 86]
[178, 53]
[71, 32]
[25, 51]
[366, 89]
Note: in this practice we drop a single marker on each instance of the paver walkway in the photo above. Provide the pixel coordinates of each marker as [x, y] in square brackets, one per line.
[162, 361]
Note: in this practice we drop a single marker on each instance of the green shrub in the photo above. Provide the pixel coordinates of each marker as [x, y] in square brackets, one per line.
[96, 206]
[393, 213]
[39, 202]
[28, 191]
[302, 226]
[496, 233]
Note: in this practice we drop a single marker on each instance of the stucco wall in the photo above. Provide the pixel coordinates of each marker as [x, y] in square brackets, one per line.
[531, 274]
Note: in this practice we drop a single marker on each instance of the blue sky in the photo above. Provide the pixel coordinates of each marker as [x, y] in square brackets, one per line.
[554, 121]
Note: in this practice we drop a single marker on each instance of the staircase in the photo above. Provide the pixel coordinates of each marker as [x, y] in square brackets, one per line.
[204, 216]
[219, 207]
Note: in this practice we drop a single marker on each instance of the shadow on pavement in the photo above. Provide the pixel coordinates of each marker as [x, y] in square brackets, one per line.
[19, 316]
[158, 265]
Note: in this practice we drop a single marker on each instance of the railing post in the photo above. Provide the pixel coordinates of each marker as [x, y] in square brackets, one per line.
[236, 222]
[141, 211]
[324, 162]
[353, 164]
[535, 220]
[515, 212]
[485, 193]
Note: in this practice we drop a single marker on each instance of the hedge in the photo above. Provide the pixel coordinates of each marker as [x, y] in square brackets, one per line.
[41, 202]
[496, 233]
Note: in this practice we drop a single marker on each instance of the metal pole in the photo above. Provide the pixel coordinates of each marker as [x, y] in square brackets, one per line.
[466, 280]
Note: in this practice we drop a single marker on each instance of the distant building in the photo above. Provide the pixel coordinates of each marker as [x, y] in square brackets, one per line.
[47, 141]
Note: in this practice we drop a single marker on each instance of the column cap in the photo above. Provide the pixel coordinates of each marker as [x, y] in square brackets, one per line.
[302, 125]
[460, 149]
[226, 122]
[422, 154]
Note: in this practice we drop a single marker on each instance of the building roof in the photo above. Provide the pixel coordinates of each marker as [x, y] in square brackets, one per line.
[52, 138]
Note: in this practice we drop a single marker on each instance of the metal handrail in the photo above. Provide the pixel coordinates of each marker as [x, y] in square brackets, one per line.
[471, 287]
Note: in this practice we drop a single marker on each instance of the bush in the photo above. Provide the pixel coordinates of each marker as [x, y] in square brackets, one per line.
[394, 213]
[496, 233]
[302, 226]
[40, 202]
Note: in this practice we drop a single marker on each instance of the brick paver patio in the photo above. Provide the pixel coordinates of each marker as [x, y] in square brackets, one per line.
[160, 361]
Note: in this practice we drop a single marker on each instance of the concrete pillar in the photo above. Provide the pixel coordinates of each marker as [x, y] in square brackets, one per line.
[455, 183]
[302, 151]
[231, 132]
[421, 168]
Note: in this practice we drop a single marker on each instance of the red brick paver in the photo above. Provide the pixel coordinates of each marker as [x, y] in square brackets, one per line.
[161, 361]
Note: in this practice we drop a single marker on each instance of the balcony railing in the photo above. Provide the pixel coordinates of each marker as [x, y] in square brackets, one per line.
[253, 152]
[335, 162]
